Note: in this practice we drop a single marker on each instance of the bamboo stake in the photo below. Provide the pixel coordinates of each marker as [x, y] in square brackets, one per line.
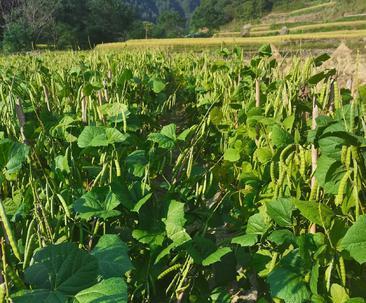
[314, 156]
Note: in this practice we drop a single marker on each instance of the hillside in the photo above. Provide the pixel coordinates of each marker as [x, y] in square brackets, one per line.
[228, 14]
[151, 9]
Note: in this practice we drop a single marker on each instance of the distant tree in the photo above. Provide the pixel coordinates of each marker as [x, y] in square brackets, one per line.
[211, 14]
[108, 20]
[28, 21]
[148, 26]
[71, 24]
[17, 37]
[170, 24]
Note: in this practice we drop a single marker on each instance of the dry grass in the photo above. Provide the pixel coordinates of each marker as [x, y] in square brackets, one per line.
[331, 26]
[310, 9]
[321, 36]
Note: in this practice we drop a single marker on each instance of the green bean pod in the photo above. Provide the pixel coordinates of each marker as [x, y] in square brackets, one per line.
[9, 232]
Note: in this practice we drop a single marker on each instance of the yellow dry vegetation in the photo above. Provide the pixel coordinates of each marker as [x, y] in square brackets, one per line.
[306, 27]
[342, 35]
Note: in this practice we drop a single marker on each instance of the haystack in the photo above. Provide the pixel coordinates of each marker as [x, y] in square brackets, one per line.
[342, 52]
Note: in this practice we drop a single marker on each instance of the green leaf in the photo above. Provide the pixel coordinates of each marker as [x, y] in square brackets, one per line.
[257, 224]
[220, 295]
[355, 240]
[216, 115]
[216, 256]
[93, 136]
[288, 285]
[113, 290]
[158, 86]
[12, 156]
[152, 239]
[315, 212]
[38, 296]
[62, 164]
[314, 278]
[112, 255]
[136, 163]
[321, 59]
[100, 202]
[263, 154]
[232, 155]
[338, 293]
[169, 131]
[356, 300]
[174, 223]
[245, 240]
[282, 236]
[329, 173]
[265, 50]
[141, 202]
[62, 267]
[166, 138]
[115, 112]
[280, 137]
[280, 211]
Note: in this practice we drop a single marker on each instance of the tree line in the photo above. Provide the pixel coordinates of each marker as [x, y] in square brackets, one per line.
[28, 24]
[61, 24]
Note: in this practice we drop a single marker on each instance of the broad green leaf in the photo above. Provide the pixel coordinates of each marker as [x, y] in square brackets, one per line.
[166, 138]
[288, 285]
[263, 154]
[232, 155]
[216, 115]
[123, 77]
[216, 256]
[355, 240]
[112, 255]
[63, 267]
[169, 131]
[158, 86]
[329, 173]
[174, 223]
[62, 164]
[136, 163]
[100, 202]
[115, 112]
[282, 236]
[245, 240]
[315, 212]
[280, 211]
[150, 238]
[280, 137]
[113, 290]
[12, 156]
[338, 293]
[93, 136]
[39, 296]
[257, 224]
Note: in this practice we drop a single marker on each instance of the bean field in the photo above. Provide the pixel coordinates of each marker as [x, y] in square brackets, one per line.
[151, 176]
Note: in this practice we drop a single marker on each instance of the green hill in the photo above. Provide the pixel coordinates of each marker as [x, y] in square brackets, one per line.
[223, 13]
[151, 9]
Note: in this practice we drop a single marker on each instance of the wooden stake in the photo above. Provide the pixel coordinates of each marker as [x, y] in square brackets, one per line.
[314, 155]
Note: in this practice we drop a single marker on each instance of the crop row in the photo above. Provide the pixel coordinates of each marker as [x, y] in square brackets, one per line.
[147, 176]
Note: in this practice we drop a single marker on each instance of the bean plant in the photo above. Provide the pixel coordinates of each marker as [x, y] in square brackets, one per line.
[149, 176]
